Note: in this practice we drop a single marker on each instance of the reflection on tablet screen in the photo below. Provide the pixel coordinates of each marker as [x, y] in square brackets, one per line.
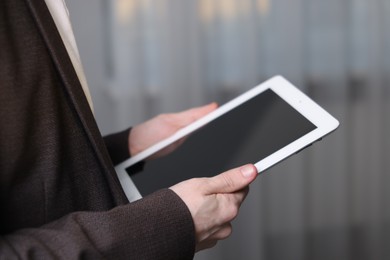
[247, 134]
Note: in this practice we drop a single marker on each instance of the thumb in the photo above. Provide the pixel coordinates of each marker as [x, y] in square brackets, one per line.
[232, 180]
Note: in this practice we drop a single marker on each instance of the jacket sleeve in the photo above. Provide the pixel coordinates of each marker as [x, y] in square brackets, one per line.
[118, 149]
[118, 146]
[156, 227]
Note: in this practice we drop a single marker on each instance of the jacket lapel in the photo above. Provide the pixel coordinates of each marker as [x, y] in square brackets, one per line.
[71, 83]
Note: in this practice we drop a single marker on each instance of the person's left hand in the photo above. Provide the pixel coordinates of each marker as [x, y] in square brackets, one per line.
[162, 126]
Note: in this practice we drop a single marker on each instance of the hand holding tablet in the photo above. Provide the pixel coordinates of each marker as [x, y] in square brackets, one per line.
[263, 126]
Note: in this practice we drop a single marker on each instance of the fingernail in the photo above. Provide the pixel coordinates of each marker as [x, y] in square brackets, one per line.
[247, 171]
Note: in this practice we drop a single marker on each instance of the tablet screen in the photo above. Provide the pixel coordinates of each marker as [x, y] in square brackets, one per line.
[247, 134]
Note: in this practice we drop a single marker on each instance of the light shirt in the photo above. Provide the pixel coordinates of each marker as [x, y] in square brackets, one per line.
[60, 14]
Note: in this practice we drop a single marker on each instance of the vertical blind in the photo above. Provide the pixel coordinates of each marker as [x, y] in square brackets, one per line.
[330, 201]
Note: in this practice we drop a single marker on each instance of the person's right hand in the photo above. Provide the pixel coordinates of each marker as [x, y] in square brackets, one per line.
[214, 202]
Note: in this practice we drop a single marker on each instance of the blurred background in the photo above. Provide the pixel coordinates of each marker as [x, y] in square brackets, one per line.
[145, 57]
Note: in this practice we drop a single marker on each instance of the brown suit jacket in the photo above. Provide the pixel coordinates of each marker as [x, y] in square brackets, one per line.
[59, 194]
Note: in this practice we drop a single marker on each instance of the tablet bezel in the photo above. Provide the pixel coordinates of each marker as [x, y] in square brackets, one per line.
[324, 122]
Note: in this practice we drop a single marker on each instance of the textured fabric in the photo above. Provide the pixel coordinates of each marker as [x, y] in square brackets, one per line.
[118, 146]
[59, 194]
[117, 234]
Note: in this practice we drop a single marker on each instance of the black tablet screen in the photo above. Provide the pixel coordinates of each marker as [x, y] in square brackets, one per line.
[247, 134]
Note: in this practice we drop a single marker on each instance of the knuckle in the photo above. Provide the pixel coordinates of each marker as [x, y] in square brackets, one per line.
[202, 184]
[231, 212]
[228, 182]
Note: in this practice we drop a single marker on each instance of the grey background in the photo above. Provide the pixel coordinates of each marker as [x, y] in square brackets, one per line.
[144, 57]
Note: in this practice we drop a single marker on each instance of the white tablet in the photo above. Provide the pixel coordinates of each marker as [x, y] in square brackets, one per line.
[263, 126]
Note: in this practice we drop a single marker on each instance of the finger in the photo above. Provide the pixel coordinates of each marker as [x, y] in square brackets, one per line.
[230, 203]
[232, 180]
[241, 195]
[223, 232]
[205, 245]
[193, 114]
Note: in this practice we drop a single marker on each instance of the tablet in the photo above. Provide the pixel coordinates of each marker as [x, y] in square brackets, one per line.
[262, 126]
